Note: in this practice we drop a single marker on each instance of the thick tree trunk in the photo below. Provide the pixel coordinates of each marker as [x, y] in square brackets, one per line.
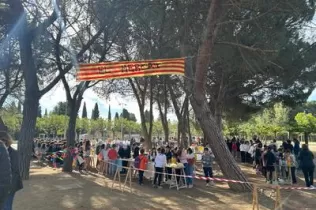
[73, 107]
[31, 103]
[25, 143]
[164, 121]
[205, 140]
[225, 160]
[219, 116]
[148, 142]
[3, 98]
[199, 102]
[306, 135]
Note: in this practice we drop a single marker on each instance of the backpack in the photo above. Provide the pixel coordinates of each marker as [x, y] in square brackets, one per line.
[137, 162]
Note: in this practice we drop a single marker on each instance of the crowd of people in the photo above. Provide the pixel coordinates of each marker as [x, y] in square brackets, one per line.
[10, 180]
[161, 157]
[275, 163]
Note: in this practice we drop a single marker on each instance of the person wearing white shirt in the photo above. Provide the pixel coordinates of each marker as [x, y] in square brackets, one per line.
[243, 151]
[160, 163]
[247, 147]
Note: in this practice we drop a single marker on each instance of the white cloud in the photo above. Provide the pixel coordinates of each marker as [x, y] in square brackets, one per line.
[116, 102]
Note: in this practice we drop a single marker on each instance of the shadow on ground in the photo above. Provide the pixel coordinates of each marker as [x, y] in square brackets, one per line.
[53, 190]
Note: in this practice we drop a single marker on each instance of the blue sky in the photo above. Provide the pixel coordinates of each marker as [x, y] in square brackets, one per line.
[117, 103]
[312, 97]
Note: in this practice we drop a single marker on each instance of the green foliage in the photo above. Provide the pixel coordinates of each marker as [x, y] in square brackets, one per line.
[59, 109]
[12, 118]
[128, 115]
[52, 124]
[83, 125]
[269, 122]
[157, 128]
[98, 125]
[306, 122]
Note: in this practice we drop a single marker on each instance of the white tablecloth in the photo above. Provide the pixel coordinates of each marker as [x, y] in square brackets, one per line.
[150, 171]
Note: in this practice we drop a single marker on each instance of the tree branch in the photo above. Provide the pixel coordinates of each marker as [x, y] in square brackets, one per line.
[43, 26]
[247, 47]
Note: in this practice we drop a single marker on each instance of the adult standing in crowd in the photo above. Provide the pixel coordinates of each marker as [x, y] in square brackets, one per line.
[135, 150]
[296, 148]
[307, 165]
[5, 173]
[160, 163]
[16, 183]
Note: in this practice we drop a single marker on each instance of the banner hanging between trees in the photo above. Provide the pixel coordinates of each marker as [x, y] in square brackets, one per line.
[126, 69]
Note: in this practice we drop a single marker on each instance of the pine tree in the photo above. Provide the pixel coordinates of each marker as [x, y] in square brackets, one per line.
[19, 108]
[116, 116]
[109, 114]
[84, 111]
[45, 115]
[125, 114]
[95, 112]
[39, 112]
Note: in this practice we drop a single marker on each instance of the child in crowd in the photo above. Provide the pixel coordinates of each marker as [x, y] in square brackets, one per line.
[207, 160]
[169, 156]
[190, 167]
[290, 165]
[143, 160]
[234, 149]
[112, 155]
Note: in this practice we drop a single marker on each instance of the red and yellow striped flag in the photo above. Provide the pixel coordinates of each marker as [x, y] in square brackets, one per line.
[125, 69]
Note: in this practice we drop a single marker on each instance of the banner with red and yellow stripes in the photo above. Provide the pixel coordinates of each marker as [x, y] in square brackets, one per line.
[126, 69]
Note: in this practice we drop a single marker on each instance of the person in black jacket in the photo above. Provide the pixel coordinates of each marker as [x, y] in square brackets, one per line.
[270, 159]
[5, 173]
[307, 165]
[16, 183]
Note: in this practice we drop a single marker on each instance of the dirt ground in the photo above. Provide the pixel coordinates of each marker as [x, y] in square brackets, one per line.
[54, 190]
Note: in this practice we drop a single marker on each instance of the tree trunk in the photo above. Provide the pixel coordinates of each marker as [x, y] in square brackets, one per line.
[73, 107]
[225, 160]
[164, 121]
[205, 140]
[31, 103]
[188, 124]
[71, 136]
[25, 143]
[148, 142]
[306, 135]
[219, 116]
[3, 98]
[199, 102]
